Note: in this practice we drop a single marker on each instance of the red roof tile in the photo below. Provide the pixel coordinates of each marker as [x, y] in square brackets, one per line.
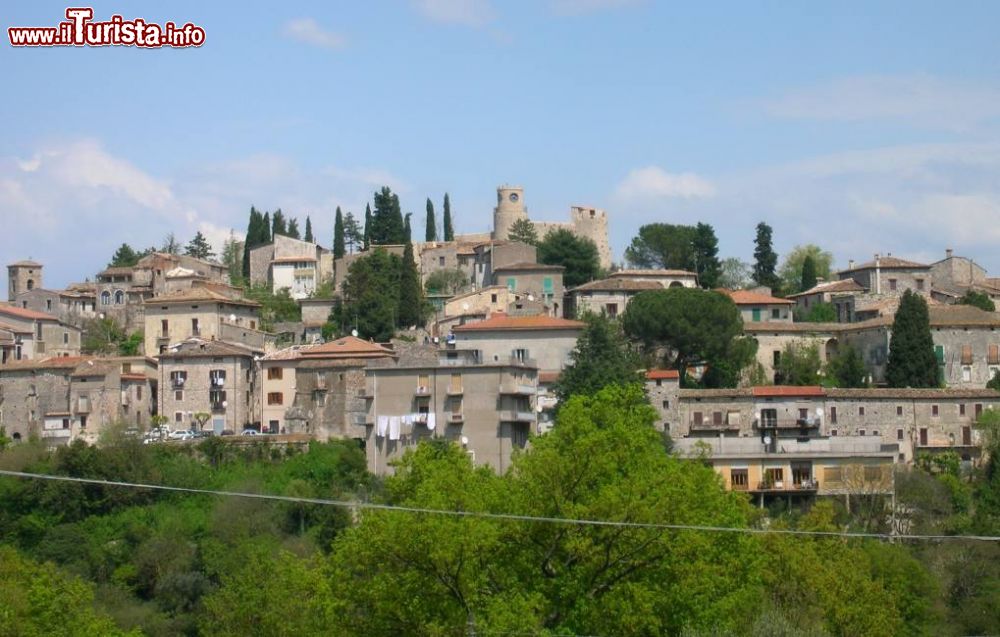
[746, 297]
[663, 374]
[503, 322]
[788, 391]
[24, 313]
[349, 346]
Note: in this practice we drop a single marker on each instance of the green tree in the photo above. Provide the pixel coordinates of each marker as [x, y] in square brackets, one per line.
[799, 364]
[371, 295]
[912, 361]
[199, 247]
[354, 235]
[817, 313]
[765, 259]
[808, 278]
[411, 293]
[978, 299]
[232, 257]
[339, 235]
[694, 326]
[792, 265]
[258, 233]
[577, 254]
[278, 224]
[101, 336]
[847, 368]
[266, 226]
[293, 228]
[447, 281]
[125, 257]
[367, 238]
[170, 244]
[430, 223]
[449, 230]
[387, 226]
[735, 274]
[523, 230]
[407, 230]
[705, 246]
[309, 231]
[664, 245]
[602, 356]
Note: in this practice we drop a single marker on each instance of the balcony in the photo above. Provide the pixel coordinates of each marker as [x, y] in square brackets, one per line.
[219, 406]
[788, 423]
[454, 391]
[455, 418]
[708, 425]
[177, 382]
[162, 339]
[420, 419]
[364, 393]
[807, 485]
[422, 390]
[517, 415]
[517, 389]
[56, 433]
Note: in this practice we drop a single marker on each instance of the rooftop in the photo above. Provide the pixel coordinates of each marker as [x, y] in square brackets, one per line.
[196, 347]
[514, 267]
[652, 273]
[618, 284]
[293, 259]
[663, 374]
[888, 262]
[346, 347]
[844, 285]
[748, 297]
[505, 322]
[52, 362]
[24, 313]
[198, 294]
[27, 263]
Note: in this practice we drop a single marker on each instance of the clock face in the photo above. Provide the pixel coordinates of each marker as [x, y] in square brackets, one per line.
[513, 197]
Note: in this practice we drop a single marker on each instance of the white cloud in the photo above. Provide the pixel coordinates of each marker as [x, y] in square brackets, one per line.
[652, 183]
[472, 13]
[919, 99]
[577, 7]
[308, 31]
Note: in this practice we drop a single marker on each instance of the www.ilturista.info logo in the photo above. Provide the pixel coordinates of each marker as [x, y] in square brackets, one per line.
[79, 29]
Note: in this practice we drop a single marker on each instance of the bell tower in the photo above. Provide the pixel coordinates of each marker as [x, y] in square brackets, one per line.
[510, 208]
[23, 276]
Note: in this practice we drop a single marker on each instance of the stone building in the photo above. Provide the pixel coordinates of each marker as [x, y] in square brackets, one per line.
[490, 256]
[484, 301]
[953, 276]
[300, 266]
[198, 313]
[60, 399]
[824, 292]
[209, 385]
[544, 342]
[760, 305]
[773, 337]
[585, 221]
[889, 275]
[537, 282]
[72, 306]
[39, 335]
[609, 296]
[23, 276]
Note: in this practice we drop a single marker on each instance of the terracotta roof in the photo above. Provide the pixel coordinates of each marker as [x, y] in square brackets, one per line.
[663, 374]
[910, 394]
[346, 347]
[292, 259]
[715, 393]
[844, 285]
[196, 347]
[961, 315]
[112, 271]
[746, 297]
[800, 327]
[24, 313]
[888, 262]
[27, 263]
[788, 390]
[488, 288]
[514, 267]
[547, 378]
[52, 362]
[505, 322]
[612, 284]
[198, 294]
[653, 273]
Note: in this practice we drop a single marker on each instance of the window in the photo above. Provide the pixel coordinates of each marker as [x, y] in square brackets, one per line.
[993, 355]
[776, 357]
[83, 422]
[803, 414]
[861, 411]
[164, 327]
[775, 313]
[511, 283]
[899, 410]
[979, 410]
[939, 353]
[178, 416]
[873, 474]
[738, 479]
[659, 382]
[611, 309]
[875, 432]
[48, 304]
[899, 434]
[833, 415]
[862, 432]
[178, 378]
[961, 409]
[833, 474]
[967, 436]
[696, 418]
[967, 354]
[934, 410]
[547, 287]
[966, 374]
[456, 383]
[920, 284]
[520, 355]
[518, 436]
[179, 395]
[666, 404]
[217, 397]
[441, 261]
[138, 392]
[755, 313]
[217, 377]
[774, 478]
[923, 436]
[119, 297]
[275, 398]
[493, 298]
[892, 285]
[274, 373]
[65, 338]
[717, 418]
[195, 329]
[105, 298]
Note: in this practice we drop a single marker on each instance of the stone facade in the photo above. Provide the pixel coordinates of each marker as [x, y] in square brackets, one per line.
[485, 301]
[70, 307]
[540, 341]
[889, 275]
[300, 266]
[39, 335]
[195, 313]
[23, 276]
[536, 282]
[773, 337]
[759, 305]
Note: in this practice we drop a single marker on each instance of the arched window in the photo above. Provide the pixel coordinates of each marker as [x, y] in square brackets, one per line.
[16, 437]
[105, 298]
[31, 284]
[676, 284]
[119, 297]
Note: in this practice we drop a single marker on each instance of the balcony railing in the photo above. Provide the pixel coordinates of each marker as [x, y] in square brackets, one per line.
[787, 423]
[455, 391]
[454, 418]
[517, 389]
[785, 486]
[219, 406]
[422, 390]
[517, 415]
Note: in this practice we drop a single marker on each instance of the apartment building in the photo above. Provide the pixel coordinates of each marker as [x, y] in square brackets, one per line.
[200, 313]
[37, 334]
[538, 282]
[544, 342]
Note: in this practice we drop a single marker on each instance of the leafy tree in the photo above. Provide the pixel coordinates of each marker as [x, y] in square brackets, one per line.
[125, 257]
[354, 235]
[808, 280]
[278, 224]
[367, 238]
[577, 254]
[232, 257]
[411, 296]
[199, 247]
[447, 281]
[602, 357]
[847, 368]
[387, 226]
[735, 274]
[912, 362]
[792, 265]
[664, 245]
[978, 299]
[101, 336]
[371, 295]
[430, 223]
[765, 259]
[131, 345]
[705, 246]
[170, 244]
[523, 230]
[449, 230]
[275, 307]
[339, 234]
[694, 326]
[817, 313]
[293, 228]
[309, 231]
[799, 364]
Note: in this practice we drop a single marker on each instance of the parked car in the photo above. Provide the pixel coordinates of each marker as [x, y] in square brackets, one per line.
[250, 432]
[184, 434]
[227, 432]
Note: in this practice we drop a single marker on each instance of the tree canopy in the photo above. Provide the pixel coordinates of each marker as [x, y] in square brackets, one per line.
[430, 223]
[663, 246]
[523, 230]
[792, 272]
[387, 227]
[705, 246]
[765, 259]
[602, 357]
[847, 368]
[799, 364]
[978, 299]
[125, 257]
[339, 235]
[199, 247]
[912, 361]
[578, 255]
[449, 228]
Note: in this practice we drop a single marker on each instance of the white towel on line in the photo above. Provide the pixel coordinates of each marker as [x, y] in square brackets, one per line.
[383, 426]
[430, 421]
[393, 427]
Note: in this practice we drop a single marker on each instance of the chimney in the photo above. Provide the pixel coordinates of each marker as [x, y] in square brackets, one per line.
[947, 253]
[850, 264]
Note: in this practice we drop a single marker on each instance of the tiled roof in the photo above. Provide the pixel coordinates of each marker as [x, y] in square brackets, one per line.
[27, 263]
[615, 284]
[663, 374]
[800, 327]
[346, 347]
[961, 315]
[888, 262]
[115, 270]
[773, 391]
[292, 259]
[652, 273]
[24, 313]
[844, 285]
[504, 322]
[52, 362]
[910, 394]
[747, 297]
[198, 294]
[196, 347]
[514, 267]
[547, 378]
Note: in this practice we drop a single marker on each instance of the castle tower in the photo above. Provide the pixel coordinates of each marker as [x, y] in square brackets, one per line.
[23, 276]
[592, 223]
[510, 208]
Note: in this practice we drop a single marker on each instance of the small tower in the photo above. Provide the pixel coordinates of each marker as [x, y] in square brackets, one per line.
[510, 208]
[23, 276]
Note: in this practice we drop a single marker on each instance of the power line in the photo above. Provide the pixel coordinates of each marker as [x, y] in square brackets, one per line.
[513, 517]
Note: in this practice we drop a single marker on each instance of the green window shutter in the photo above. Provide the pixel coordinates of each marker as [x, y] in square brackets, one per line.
[939, 352]
[511, 283]
[756, 314]
[547, 284]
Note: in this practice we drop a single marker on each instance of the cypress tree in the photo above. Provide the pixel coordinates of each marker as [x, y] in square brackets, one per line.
[411, 298]
[912, 360]
[387, 226]
[278, 224]
[265, 229]
[430, 234]
[293, 228]
[407, 231]
[309, 230]
[367, 239]
[808, 274]
[449, 231]
[252, 239]
[765, 259]
[705, 246]
[338, 234]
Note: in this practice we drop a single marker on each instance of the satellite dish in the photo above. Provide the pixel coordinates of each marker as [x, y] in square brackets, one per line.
[465, 440]
[354, 333]
[225, 403]
[465, 307]
[538, 408]
[531, 297]
[819, 411]
[767, 440]
[232, 318]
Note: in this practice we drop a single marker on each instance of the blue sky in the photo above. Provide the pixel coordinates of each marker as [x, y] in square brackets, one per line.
[861, 127]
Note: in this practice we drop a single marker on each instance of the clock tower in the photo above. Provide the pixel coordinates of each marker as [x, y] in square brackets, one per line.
[510, 208]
